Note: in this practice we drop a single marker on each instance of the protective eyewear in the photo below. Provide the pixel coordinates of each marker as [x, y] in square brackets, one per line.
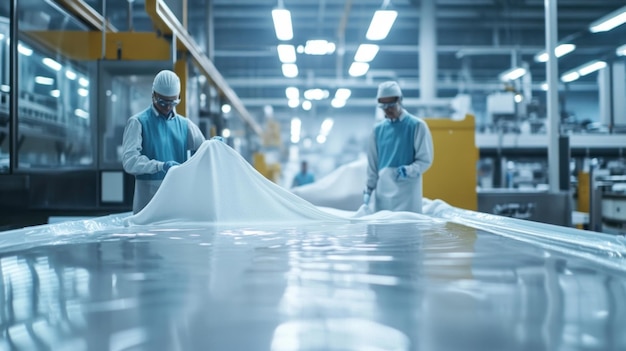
[166, 103]
[387, 105]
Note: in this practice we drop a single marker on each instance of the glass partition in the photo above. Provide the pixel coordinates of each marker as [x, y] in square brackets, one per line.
[56, 121]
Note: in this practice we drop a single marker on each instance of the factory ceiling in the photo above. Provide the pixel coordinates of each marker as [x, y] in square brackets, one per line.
[475, 40]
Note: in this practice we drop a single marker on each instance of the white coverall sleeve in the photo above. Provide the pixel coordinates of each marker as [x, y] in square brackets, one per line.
[424, 151]
[372, 163]
[132, 160]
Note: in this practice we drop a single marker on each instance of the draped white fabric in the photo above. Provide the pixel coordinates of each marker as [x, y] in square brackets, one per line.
[217, 185]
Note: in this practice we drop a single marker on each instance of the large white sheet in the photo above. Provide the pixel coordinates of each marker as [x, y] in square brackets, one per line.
[217, 185]
[341, 189]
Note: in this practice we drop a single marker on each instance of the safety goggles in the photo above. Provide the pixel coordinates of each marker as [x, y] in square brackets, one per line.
[387, 105]
[165, 103]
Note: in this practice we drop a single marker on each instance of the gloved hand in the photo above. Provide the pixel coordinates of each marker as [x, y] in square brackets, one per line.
[366, 196]
[217, 137]
[401, 173]
[169, 164]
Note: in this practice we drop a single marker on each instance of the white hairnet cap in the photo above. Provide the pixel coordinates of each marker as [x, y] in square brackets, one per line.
[166, 83]
[388, 89]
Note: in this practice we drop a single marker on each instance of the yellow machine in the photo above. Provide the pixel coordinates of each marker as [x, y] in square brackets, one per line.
[452, 177]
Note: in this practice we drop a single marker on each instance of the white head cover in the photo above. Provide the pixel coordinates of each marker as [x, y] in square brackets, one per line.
[388, 89]
[166, 83]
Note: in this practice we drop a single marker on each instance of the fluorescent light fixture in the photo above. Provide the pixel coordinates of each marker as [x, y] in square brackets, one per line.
[366, 52]
[290, 70]
[512, 74]
[319, 47]
[321, 139]
[608, 22]
[293, 103]
[83, 82]
[81, 113]
[358, 69]
[55, 93]
[282, 24]
[338, 103]
[343, 93]
[83, 92]
[286, 53]
[296, 125]
[621, 51]
[226, 108]
[559, 51]
[44, 80]
[570, 76]
[292, 93]
[5, 88]
[381, 24]
[591, 67]
[52, 64]
[70, 75]
[316, 94]
[544, 86]
[307, 105]
[26, 51]
[327, 125]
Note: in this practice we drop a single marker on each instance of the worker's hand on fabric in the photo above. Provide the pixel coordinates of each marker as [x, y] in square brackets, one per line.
[219, 138]
[169, 164]
[401, 173]
[366, 196]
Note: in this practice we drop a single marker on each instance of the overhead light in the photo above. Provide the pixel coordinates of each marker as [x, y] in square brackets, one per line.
[583, 70]
[343, 93]
[282, 24]
[512, 74]
[296, 126]
[319, 47]
[83, 82]
[292, 93]
[71, 75]
[307, 105]
[559, 51]
[326, 126]
[358, 69]
[52, 64]
[315, 94]
[591, 67]
[44, 80]
[570, 76]
[338, 103]
[293, 103]
[381, 24]
[26, 51]
[286, 53]
[366, 52]
[290, 70]
[621, 51]
[608, 22]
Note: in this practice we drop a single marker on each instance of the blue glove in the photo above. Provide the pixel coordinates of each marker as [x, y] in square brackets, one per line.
[366, 197]
[217, 137]
[169, 164]
[401, 173]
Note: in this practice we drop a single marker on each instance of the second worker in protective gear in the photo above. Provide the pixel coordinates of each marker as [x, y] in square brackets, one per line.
[157, 139]
[400, 150]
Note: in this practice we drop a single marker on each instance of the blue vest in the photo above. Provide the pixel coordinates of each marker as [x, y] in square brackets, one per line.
[395, 142]
[163, 139]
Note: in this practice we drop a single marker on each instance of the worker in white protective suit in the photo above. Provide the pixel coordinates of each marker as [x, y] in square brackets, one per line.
[400, 150]
[158, 139]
